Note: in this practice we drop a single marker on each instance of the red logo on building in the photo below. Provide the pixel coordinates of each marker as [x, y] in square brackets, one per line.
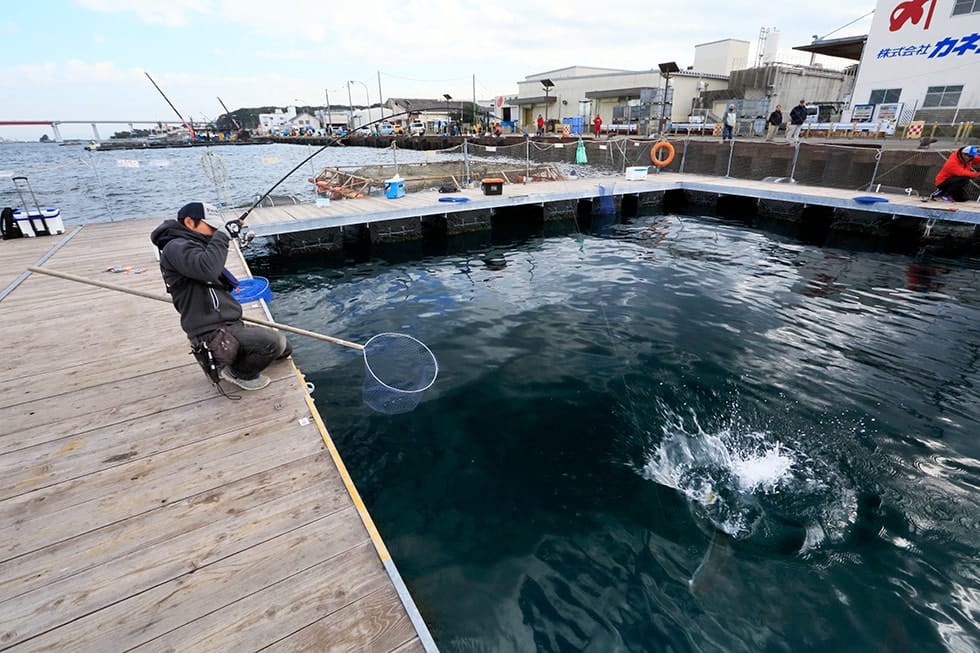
[910, 10]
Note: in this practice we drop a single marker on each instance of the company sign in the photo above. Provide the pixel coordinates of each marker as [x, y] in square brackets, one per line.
[911, 21]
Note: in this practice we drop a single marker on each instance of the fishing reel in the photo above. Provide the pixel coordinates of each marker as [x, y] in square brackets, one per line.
[234, 229]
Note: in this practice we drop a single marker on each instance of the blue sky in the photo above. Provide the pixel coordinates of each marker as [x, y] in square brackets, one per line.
[85, 59]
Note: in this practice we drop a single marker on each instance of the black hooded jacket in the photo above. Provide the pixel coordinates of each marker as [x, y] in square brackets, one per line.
[192, 265]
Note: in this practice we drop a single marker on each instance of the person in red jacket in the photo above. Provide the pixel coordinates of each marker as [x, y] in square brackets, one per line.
[597, 123]
[955, 173]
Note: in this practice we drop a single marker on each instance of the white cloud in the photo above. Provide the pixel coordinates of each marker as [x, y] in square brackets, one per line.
[174, 13]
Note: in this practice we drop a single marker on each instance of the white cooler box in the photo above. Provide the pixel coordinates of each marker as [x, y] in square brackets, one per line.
[46, 223]
[636, 173]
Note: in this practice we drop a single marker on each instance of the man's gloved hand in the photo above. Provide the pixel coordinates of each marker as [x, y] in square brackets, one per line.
[233, 227]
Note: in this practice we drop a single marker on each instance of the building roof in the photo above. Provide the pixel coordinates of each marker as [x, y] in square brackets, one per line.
[537, 99]
[848, 47]
[423, 104]
[698, 45]
[617, 92]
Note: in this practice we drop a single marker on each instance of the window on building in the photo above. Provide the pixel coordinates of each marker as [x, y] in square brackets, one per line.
[942, 96]
[966, 7]
[885, 95]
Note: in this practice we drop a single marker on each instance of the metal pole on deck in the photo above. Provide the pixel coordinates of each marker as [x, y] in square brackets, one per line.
[796, 156]
[731, 151]
[874, 172]
[527, 157]
[687, 139]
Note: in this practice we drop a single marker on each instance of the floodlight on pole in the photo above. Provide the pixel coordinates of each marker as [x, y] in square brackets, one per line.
[666, 69]
[548, 85]
[449, 99]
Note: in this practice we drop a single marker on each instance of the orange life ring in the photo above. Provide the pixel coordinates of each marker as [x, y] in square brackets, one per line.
[657, 161]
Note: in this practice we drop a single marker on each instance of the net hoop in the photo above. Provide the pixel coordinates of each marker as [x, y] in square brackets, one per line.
[398, 371]
[424, 353]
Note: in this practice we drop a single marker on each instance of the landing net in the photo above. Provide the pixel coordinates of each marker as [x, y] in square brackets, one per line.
[399, 369]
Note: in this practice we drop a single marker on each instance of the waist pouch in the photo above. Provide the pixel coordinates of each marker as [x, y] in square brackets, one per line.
[223, 346]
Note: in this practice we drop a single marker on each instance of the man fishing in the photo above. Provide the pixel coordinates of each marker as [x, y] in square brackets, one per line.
[193, 250]
[956, 172]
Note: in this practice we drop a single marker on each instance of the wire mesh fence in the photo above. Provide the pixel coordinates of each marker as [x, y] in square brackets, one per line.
[872, 167]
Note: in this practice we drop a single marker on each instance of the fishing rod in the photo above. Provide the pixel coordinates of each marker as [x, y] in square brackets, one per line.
[190, 128]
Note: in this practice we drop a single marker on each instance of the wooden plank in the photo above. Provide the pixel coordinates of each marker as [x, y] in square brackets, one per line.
[412, 646]
[377, 623]
[261, 619]
[58, 381]
[193, 517]
[28, 466]
[226, 562]
[118, 401]
[52, 514]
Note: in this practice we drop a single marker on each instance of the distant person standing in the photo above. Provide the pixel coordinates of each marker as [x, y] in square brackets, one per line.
[796, 119]
[955, 173]
[728, 124]
[597, 125]
[540, 125]
[775, 122]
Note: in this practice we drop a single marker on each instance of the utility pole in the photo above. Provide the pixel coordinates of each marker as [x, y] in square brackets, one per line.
[350, 108]
[329, 117]
[381, 98]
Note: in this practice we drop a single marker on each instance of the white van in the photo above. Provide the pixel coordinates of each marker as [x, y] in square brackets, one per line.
[417, 128]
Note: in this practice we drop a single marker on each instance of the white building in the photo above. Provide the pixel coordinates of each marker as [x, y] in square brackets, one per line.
[276, 121]
[924, 57]
[305, 122]
[629, 101]
[721, 57]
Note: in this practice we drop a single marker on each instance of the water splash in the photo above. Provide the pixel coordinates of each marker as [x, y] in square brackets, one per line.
[748, 483]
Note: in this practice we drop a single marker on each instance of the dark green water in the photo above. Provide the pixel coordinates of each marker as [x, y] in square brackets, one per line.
[680, 436]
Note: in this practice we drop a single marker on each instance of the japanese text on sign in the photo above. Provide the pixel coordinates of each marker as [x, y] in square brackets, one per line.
[965, 45]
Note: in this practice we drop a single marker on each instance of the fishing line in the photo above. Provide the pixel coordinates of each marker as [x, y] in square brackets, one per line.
[98, 177]
[331, 140]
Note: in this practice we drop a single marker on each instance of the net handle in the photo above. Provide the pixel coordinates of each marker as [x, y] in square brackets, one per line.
[163, 298]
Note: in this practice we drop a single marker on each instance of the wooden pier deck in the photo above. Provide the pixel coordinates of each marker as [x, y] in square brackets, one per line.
[338, 213]
[142, 510]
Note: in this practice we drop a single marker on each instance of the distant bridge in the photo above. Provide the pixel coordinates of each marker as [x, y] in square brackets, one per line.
[54, 124]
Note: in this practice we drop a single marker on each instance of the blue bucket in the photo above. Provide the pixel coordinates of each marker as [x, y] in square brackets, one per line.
[254, 289]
